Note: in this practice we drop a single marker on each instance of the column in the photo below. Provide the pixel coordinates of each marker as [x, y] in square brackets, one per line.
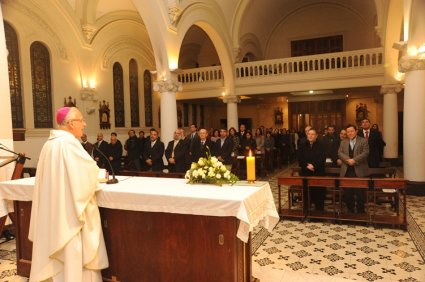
[390, 128]
[232, 110]
[6, 131]
[414, 115]
[168, 89]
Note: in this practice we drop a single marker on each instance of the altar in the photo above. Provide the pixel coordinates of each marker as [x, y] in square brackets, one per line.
[162, 229]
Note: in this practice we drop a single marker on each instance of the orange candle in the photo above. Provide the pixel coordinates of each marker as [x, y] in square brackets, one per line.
[250, 167]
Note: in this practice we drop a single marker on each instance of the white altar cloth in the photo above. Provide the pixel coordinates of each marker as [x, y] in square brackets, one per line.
[251, 204]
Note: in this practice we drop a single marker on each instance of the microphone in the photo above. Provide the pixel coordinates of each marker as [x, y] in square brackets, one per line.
[113, 180]
[4, 148]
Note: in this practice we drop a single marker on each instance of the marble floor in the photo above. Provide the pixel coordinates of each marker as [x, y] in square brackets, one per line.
[320, 251]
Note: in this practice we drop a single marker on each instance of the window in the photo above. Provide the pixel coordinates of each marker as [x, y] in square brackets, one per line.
[148, 97]
[134, 93]
[305, 47]
[14, 76]
[118, 95]
[41, 85]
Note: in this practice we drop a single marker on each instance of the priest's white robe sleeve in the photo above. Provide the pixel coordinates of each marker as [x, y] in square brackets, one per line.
[64, 206]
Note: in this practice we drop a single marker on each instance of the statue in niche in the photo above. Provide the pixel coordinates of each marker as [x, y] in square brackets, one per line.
[361, 112]
[278, 116]
[104, 115]
[69, 103]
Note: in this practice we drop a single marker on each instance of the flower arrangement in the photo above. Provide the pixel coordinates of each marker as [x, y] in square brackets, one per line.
[210, 170]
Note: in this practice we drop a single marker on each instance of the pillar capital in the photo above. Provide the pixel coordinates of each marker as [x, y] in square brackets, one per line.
[167, 86]
[231, 99]
[391, 88]
[410, 63]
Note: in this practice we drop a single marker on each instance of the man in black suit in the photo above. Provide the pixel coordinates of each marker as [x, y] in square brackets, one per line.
[374, 139]
[103, 147]
[199, 148]
[242, 131]
[153, 152]
[312, 159]
[133, 150]
[115, 153]
[331, 141]
[176, 153]
[223, 148]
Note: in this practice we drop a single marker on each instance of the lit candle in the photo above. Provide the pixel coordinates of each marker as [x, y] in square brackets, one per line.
[250, 168]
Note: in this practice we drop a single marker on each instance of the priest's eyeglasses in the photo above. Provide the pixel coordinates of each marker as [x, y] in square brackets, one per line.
[78, 119]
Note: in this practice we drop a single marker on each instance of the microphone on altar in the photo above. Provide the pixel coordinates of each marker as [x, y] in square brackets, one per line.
[113, 180]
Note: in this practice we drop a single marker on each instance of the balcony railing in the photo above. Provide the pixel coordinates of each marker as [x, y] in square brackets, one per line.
[359, 59]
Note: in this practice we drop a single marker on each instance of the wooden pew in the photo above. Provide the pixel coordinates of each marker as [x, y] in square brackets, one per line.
[295, 185]
[329, 184]
[395, 186]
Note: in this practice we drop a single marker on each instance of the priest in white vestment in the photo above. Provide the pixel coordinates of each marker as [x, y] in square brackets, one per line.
[65, 225]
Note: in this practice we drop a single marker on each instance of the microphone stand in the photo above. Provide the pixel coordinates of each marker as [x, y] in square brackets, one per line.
[113, 180]
[2, 147]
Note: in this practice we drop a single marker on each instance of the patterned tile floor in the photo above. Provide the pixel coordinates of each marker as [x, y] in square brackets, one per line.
[319, 251]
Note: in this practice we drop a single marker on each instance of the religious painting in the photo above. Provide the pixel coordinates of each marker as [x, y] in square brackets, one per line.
[278, 116]
[70, 102]
[361, 112]
[104, 115]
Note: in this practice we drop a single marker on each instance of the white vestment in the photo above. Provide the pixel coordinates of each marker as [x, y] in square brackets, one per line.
[65, 225]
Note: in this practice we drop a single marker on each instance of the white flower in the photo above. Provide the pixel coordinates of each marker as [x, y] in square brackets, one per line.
[218, 176]
[219, 163]
[193, 166]
[201, 162]
[210, 169]
[211, 173]
[187, 175]
[195, 173]
[214, 160]
[223, 168]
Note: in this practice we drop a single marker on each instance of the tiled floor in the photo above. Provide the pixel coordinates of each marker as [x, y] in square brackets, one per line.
[323, 252]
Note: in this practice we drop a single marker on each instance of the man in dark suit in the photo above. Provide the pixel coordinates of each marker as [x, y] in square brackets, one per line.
[376, 144]
[354, 152]
[331, 141]
[115, 153]
[199, 148]
[242, 131]
[223, 148]
[86, 144]
[176, 153]
[192, 137]
[153, 152]
[103, 147]
[312, 159]
[133, 150]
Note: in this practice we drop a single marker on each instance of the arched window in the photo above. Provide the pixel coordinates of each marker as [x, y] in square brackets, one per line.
[14, 76]
[134, 93]
[41, 85]
[148, 97]
[118, 95]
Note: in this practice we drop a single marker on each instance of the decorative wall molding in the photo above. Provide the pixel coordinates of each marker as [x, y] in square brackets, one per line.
[231, 99]
[162, 86]
[391, 88]
[409, 63]
[42, 23]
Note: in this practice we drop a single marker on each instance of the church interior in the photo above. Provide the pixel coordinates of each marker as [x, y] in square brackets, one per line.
[276, 64]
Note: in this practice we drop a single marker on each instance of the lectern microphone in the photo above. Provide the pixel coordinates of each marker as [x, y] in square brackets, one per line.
[113, 180]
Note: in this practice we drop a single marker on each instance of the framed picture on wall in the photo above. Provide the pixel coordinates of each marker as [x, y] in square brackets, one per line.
[278, 116]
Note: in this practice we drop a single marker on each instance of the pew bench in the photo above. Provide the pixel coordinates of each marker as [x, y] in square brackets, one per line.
[372, 187]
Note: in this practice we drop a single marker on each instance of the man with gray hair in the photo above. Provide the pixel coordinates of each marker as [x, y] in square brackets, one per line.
[65, 225]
